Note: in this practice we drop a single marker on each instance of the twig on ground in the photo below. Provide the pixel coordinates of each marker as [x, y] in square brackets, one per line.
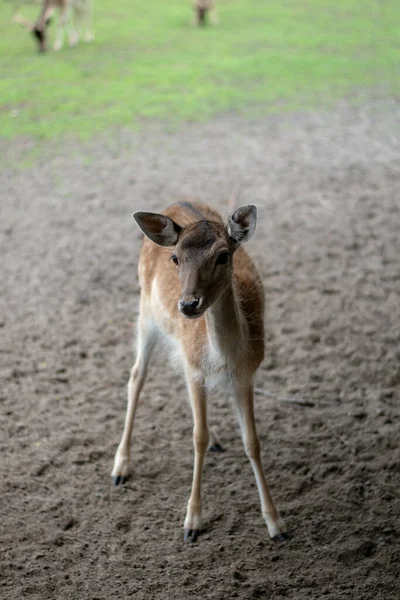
[289, 399]
[294, 399]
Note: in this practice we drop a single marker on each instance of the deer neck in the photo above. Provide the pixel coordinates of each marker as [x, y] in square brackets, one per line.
[225, 324]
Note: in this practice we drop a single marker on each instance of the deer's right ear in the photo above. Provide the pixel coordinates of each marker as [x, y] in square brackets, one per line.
[158, 228]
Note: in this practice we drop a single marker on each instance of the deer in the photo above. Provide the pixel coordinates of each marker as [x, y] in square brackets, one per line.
[202, 294]
[70, 10]
[204, 9]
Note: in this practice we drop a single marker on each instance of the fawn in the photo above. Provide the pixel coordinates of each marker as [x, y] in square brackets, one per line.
[201, 292]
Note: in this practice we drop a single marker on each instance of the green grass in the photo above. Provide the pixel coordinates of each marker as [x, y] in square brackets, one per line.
[149, 62]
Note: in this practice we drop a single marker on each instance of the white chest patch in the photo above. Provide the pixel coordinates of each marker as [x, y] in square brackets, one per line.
[217, 369]
[218, 365]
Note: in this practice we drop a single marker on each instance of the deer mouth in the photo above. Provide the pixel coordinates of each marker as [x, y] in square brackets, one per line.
[191, 314]
[194, 316]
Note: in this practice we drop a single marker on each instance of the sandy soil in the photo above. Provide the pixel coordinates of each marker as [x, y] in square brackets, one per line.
[327, 245]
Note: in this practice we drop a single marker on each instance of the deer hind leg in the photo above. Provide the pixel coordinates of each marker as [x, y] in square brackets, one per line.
[245, 407]
[145, 344]
[65, 25]
[89, 33]
[59, 42]
[198, 399]
[83, 15]
[72, 32]
[213, 16]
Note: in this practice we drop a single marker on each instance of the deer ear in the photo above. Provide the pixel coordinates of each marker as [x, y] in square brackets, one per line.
[242, 223]
[158, 228]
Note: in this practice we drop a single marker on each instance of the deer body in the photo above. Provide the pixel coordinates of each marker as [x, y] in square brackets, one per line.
[69, 10]
[205, 348]
[203, 8]
[201, 292]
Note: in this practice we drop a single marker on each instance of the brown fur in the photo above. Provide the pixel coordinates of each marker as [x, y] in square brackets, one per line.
[247, 285]
[65, 8]
[203, 9]
[200, 289]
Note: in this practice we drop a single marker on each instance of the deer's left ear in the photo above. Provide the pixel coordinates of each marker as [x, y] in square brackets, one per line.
[242, 223]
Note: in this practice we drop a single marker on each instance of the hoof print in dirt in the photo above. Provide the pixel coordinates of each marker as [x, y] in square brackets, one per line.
[191, 535]
[119, 479]
[281, 537]
[216, 448]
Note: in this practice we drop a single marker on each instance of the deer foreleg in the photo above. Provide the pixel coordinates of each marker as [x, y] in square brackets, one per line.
[146, 341]
[198, 399]
[245, 407]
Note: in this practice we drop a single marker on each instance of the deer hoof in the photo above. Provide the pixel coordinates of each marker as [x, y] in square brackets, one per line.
[281, 537]
[191, 535]
[73, 40]
[119, 479]
[216, 448]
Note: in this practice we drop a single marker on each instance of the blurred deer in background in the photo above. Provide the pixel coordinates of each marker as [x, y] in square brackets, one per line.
[202, 294]
[70, 12]
[203, 8]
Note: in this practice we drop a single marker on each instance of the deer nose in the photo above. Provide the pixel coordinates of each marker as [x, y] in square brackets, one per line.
[188, 307]
[191, 305]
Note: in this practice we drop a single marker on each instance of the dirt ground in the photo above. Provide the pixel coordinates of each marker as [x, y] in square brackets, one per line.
[327, 244]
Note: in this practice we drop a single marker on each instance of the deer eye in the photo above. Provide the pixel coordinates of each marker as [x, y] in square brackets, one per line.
[222, 258]
[174, 259]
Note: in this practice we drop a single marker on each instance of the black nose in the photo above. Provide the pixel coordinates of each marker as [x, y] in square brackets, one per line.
[189, 306]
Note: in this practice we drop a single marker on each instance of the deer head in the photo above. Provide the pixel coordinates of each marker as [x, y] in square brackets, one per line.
[202, 253]
[38, 30]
